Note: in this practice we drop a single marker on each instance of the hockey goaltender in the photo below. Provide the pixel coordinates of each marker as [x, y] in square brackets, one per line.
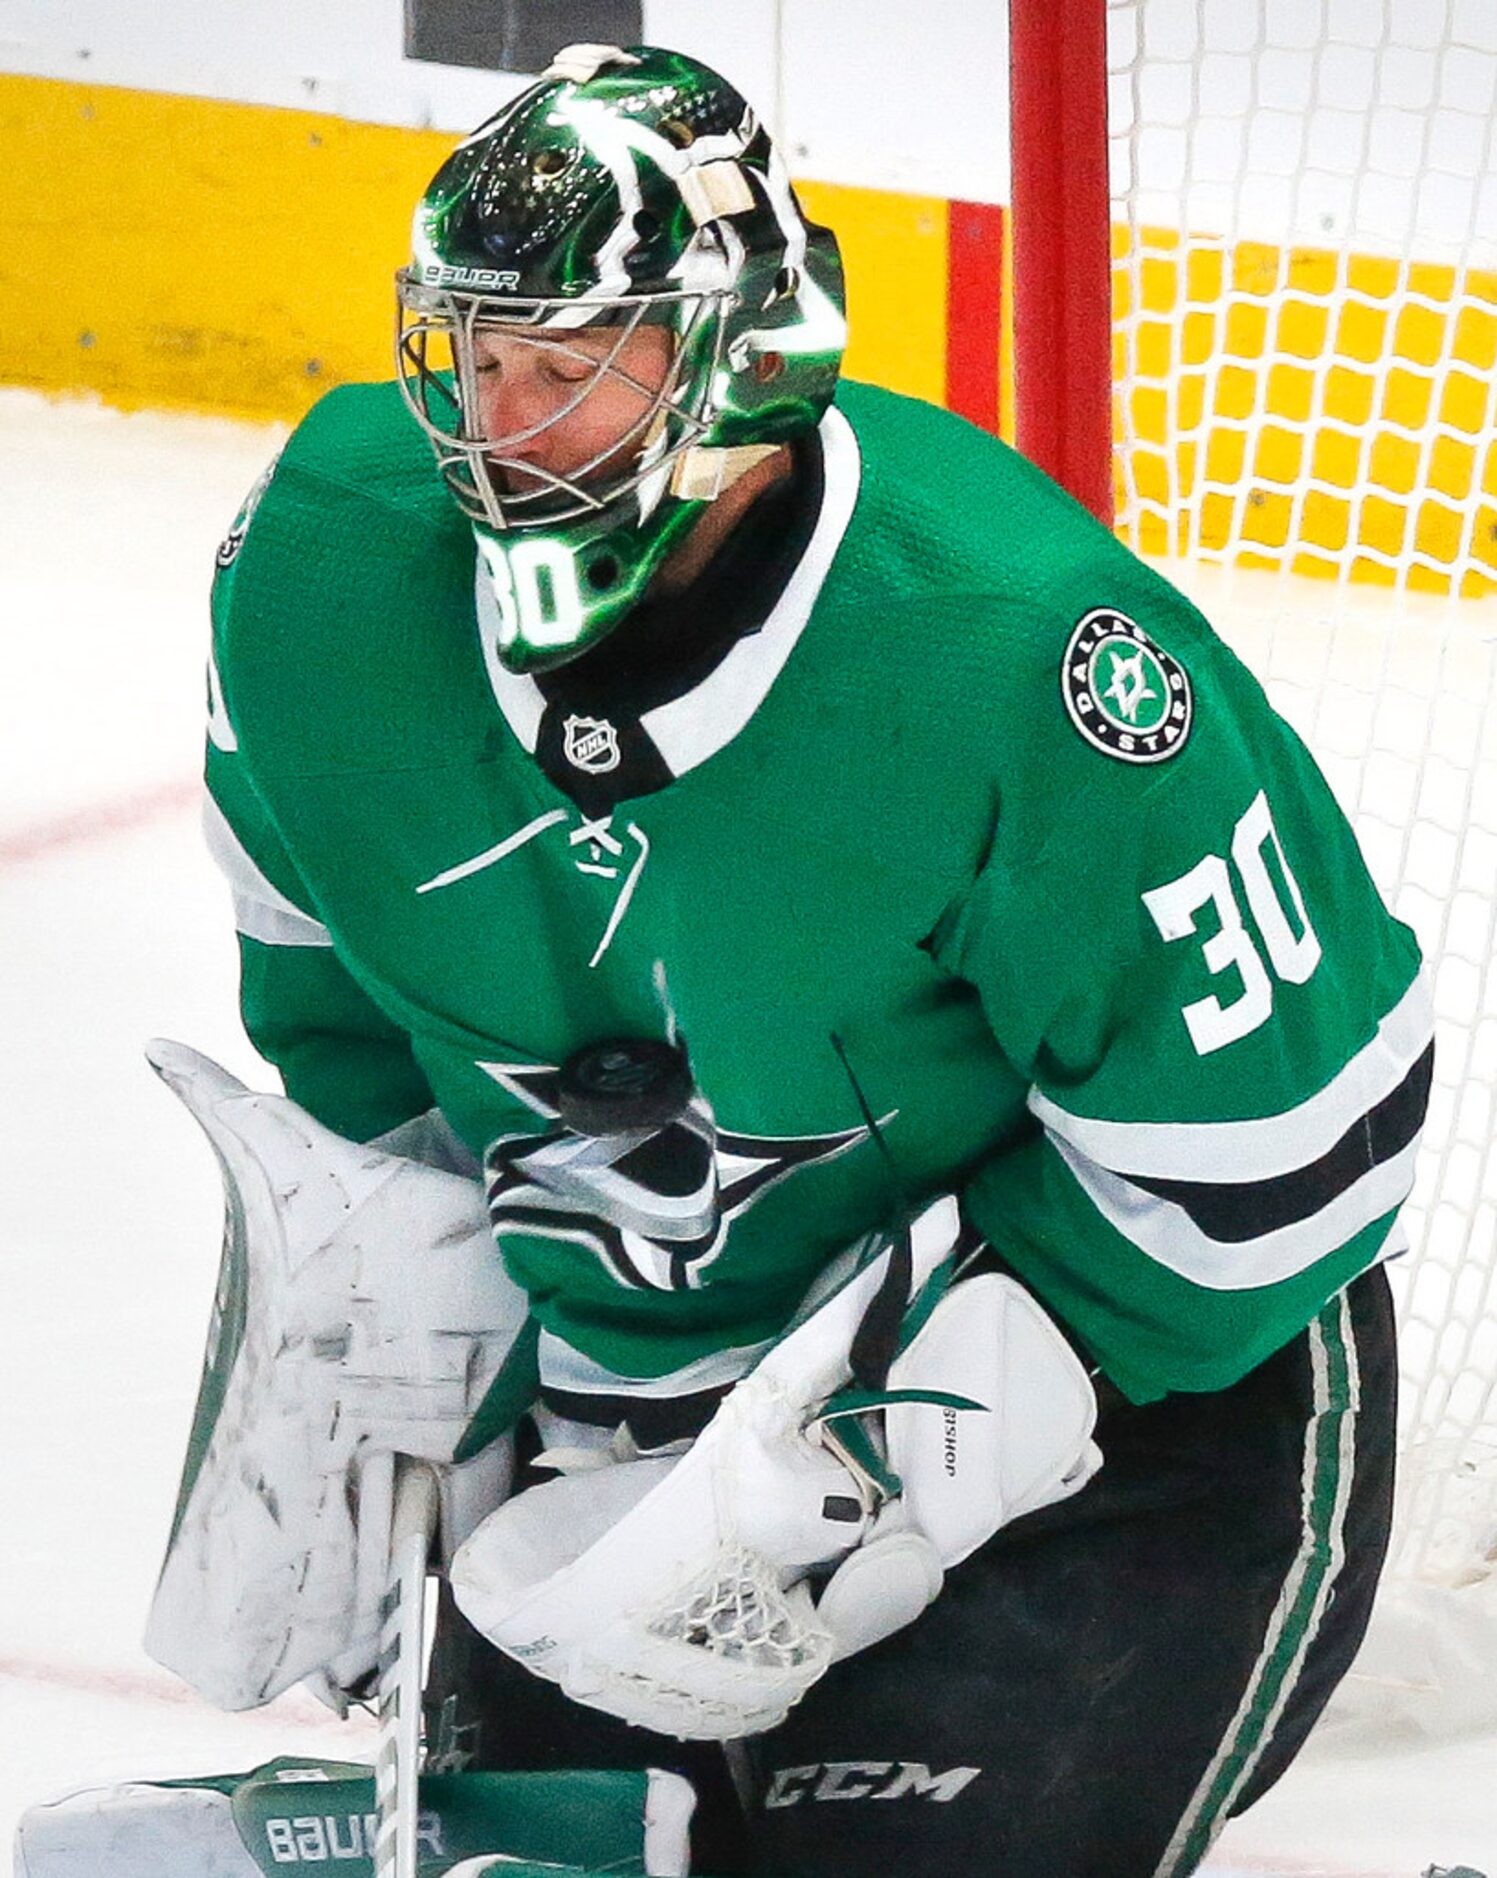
[845, 1082]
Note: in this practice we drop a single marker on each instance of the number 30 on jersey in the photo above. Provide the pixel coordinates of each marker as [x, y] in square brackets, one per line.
[1214, 881]
[537, 592]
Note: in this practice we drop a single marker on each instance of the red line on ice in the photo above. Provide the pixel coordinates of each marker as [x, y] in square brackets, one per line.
[119, 816]
[96, 1681]
[136, 1686]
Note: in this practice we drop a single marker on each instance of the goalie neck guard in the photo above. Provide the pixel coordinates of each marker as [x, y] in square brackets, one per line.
[626, 191]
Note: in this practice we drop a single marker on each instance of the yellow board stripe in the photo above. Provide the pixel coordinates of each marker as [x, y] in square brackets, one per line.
[174, 251]
[1370, 383]
[894, 249]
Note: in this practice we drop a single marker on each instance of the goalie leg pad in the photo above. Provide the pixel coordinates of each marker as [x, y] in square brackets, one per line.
[135, 1830]
[319, 1817]
[362, 1311]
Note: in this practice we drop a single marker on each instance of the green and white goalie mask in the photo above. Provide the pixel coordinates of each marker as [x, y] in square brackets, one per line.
[623, 238]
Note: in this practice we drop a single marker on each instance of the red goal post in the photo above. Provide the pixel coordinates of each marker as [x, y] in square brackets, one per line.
[1062, 235]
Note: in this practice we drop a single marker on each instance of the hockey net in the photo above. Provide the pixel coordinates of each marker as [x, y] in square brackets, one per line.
[1303, 234]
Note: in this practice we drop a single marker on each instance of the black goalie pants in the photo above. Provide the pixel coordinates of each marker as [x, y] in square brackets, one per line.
[1094, 1693]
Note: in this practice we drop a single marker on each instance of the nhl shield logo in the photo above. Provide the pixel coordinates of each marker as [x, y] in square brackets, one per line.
[590, 744]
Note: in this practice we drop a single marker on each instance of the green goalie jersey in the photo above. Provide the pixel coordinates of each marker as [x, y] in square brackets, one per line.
[978, 831]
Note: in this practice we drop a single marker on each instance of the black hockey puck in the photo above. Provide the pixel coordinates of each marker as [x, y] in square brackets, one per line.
[623, 1084]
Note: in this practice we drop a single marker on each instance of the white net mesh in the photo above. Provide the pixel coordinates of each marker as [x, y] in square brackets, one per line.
[1306, 278]
[1306, 367]
[1305, 296]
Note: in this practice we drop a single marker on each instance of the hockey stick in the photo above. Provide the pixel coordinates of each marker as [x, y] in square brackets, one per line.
[398, 1745]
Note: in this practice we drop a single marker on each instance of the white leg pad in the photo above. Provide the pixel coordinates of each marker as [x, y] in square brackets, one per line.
[309, 1813]
[133, 1831]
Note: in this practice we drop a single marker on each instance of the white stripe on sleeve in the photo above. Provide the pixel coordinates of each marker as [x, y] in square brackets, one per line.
[1267, 1146]
[261, 911]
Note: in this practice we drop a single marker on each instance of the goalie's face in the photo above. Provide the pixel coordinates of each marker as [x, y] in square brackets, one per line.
[569, 409]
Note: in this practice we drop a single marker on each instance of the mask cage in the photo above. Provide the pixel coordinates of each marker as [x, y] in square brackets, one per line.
[442, 395]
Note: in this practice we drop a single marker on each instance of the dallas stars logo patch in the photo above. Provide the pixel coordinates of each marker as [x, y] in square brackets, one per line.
[1125, 694]
[228, 548]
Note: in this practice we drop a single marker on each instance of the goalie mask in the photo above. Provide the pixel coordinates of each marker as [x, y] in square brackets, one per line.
[623, 242]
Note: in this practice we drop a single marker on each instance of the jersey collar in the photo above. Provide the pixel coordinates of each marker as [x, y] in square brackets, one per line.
[704, 720]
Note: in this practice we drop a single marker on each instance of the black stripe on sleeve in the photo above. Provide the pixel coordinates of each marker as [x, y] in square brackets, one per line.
[1233, 1212]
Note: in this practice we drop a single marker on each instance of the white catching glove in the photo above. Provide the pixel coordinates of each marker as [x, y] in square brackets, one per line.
[362, 1312]
[674, 1592]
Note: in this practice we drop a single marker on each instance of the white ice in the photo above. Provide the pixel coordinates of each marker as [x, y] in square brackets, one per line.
[113, 927]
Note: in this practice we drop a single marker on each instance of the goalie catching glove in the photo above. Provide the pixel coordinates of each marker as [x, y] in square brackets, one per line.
[362, 1312]
[679, 1593]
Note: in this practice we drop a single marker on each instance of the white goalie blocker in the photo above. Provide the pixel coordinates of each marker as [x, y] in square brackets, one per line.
[677, 1593]
[362, 1313]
